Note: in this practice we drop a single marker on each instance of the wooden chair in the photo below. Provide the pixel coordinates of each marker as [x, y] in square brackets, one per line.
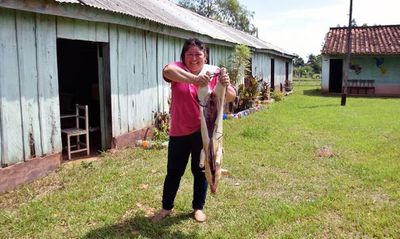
[81, 114]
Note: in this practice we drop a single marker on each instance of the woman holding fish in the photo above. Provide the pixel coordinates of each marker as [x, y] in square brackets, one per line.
[187, 77]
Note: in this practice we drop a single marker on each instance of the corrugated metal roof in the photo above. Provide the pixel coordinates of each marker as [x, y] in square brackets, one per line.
[168, 13]
[373, 40]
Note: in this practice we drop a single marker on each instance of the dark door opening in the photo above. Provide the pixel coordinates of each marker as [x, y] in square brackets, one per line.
[82, 79]
[287, 73]
[272, 73]
[335, 75]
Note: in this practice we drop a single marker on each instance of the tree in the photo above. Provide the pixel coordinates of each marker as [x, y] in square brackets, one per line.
[238, 64]
[229, 12]
[353, 23]
[205, 8]
[309, 69]
[298, 61]
[315, 63]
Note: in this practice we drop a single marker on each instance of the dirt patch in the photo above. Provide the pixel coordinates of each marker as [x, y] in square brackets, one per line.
[325, 151]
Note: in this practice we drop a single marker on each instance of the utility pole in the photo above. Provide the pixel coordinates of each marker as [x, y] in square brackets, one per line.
[348, 56]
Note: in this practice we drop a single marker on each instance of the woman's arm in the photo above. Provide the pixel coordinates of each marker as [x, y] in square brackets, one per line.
[230, 94]
[173, 72]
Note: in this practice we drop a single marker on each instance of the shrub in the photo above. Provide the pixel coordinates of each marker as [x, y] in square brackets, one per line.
[161, 129]
[277, 95]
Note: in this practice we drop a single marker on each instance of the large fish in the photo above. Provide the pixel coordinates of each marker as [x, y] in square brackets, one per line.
[211, 113]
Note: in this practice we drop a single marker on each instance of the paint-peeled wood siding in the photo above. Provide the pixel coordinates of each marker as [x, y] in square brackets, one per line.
[280, 71]
[135, 84]
[29, 113]
[75, 29]
[261, 66]
[220, 55]
[325, 74]
[168, 50]
[12, 142]
[29, 83]
[49, 106]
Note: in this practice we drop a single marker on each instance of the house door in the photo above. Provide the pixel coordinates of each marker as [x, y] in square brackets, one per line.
[287, 73]
[103, 60]
[84, 79]
[335, 75]
[272, 73]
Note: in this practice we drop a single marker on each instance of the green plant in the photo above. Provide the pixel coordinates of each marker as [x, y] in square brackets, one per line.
[239, 62]
[248, 93]
[277, 95]
[288, 86]
[265, 90]
[161, 129]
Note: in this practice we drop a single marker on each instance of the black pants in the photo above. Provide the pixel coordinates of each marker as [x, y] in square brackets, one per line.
[179, 149]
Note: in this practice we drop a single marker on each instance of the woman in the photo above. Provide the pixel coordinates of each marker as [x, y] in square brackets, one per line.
[186, 77]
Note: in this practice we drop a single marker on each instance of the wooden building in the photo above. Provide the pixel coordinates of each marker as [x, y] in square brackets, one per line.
[374, 68]
[107, 54]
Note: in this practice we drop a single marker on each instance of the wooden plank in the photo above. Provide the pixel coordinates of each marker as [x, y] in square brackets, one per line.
[75, 29]
[131, 52]
[65, 27]
[139, 76]
[104, 95]
[28, 81]
[49, 110]
[123, 80]
[10, 121]
[115, 113]
[166, 58]
[102, 32]
[139, 87]
[81, 30]
[160, 62]
[135, 86]
[150, 81]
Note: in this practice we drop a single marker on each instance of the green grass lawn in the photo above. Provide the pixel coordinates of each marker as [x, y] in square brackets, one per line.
[304, 168]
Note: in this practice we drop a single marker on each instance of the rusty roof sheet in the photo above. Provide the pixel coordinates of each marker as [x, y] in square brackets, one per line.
[373, 40]
[168, 13]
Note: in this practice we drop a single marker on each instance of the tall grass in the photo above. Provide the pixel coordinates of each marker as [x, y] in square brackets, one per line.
[279, 185]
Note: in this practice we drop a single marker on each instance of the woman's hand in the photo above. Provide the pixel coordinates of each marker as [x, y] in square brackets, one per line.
[202, 80]
[224, 77]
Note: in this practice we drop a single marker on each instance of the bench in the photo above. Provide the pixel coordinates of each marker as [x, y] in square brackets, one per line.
[361, 86]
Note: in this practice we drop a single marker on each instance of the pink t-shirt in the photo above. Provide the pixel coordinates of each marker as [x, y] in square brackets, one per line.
[185, 111]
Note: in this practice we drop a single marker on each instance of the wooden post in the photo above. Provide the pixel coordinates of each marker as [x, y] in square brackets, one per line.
[348, 56]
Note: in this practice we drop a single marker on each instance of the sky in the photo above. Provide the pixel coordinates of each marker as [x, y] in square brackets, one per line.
[300, 26]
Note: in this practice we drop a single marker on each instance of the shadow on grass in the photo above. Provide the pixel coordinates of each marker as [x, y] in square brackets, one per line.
[142, 227]
[320, 106]
[317, 92]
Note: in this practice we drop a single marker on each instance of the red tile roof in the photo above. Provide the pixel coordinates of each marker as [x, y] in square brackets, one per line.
[374, 40]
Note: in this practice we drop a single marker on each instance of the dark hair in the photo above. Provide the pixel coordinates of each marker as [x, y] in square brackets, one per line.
[193, 42]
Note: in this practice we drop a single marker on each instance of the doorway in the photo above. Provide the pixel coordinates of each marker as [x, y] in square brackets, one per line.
[84, 79]
[272, 73]
[335, 75]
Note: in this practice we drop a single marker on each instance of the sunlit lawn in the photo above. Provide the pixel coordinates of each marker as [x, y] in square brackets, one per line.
[304, 168]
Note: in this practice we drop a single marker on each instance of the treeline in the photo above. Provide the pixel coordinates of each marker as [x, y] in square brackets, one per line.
[309, 69]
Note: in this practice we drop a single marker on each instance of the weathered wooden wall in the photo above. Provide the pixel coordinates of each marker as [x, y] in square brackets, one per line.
[261, 67]
[138, 89]
[29, 116]
[220, 55]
